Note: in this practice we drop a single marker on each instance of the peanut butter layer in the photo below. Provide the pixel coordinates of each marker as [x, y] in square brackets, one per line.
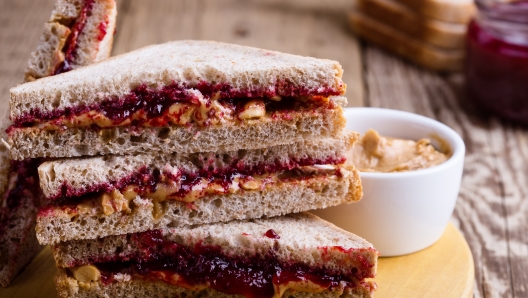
[375, 153]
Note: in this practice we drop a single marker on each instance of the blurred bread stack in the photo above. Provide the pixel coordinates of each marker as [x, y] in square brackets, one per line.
[430, 33]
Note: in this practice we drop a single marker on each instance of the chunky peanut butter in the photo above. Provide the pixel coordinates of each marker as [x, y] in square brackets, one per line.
[375, 153]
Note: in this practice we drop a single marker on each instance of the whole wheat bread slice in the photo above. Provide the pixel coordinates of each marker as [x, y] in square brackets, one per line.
[63, 223]
[405, 46]
[300, 238]
[251, 134]
[94, 41]
[455, 11]
[398, 16]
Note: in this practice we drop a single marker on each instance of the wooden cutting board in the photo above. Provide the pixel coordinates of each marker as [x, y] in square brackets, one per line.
[444, 270]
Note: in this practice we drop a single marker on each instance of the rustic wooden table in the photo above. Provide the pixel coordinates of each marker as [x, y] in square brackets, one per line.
[493, 206]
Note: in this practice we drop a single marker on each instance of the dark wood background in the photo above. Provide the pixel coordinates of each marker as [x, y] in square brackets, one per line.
[492, 208]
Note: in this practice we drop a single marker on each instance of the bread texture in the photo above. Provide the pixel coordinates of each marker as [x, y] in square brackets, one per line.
[94, 42]
[80, 175]
[405, 46]
[304, 238]
[67, 223]
[455, 11]
[250, 134]
[398, 16]
[187, 63]
[68, 287]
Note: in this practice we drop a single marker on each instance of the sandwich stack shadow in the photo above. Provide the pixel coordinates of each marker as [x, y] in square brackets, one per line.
[171, 170]
[430, 33]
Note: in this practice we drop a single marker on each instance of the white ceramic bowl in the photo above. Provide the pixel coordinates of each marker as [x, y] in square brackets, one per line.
[403, 212]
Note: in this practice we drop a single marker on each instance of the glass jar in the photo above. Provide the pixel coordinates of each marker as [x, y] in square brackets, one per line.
[497, 58]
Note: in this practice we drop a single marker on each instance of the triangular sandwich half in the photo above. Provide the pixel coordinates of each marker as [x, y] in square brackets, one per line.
[297, 255]
[110, 195]
[182, 96]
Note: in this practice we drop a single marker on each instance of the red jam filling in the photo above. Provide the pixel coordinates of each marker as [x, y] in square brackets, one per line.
[251, 276]
[70, 50]
[26, 185]
[155, 103]
[146, 179]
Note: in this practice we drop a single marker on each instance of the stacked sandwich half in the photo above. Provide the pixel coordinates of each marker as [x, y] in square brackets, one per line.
[169, 165]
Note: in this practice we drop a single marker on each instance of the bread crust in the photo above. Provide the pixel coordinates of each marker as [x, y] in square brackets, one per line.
[63, 224]
[251, 134]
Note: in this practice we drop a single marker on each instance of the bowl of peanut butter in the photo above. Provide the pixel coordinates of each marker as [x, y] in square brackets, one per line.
[411, 168]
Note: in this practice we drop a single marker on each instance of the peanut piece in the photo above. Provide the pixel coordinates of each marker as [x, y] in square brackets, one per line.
[129, 193]
[86, 273]
[106, 204]
[250, 185]
[181, 113]
[253, 109]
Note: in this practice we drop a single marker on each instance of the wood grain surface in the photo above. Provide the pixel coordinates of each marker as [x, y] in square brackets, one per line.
[492, 211]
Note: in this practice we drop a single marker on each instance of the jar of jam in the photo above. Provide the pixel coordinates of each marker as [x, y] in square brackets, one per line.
[497, 58]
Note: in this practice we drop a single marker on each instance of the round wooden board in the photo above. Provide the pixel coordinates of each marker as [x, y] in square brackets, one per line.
[444, 269]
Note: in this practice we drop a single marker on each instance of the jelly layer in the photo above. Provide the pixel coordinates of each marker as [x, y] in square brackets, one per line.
[201, 266]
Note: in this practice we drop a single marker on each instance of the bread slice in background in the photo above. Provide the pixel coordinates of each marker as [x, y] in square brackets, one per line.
[397, 16]
[410, 48]
[455, 11]
[17, 219]
[300, 240]
[94, 42]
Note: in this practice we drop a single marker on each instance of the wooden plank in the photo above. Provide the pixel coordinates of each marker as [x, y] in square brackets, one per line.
[509, 147]
[304, 28]
[483, 203]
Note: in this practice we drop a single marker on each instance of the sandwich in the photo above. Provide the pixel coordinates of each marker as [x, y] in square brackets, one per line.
[19, 201]
[454, 11]
[408, 47]
[297, 255]
[101, 196]
[183, 96]
[78, 33]
[444, 35]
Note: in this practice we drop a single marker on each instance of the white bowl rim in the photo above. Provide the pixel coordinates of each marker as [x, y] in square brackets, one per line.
[459, 147]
